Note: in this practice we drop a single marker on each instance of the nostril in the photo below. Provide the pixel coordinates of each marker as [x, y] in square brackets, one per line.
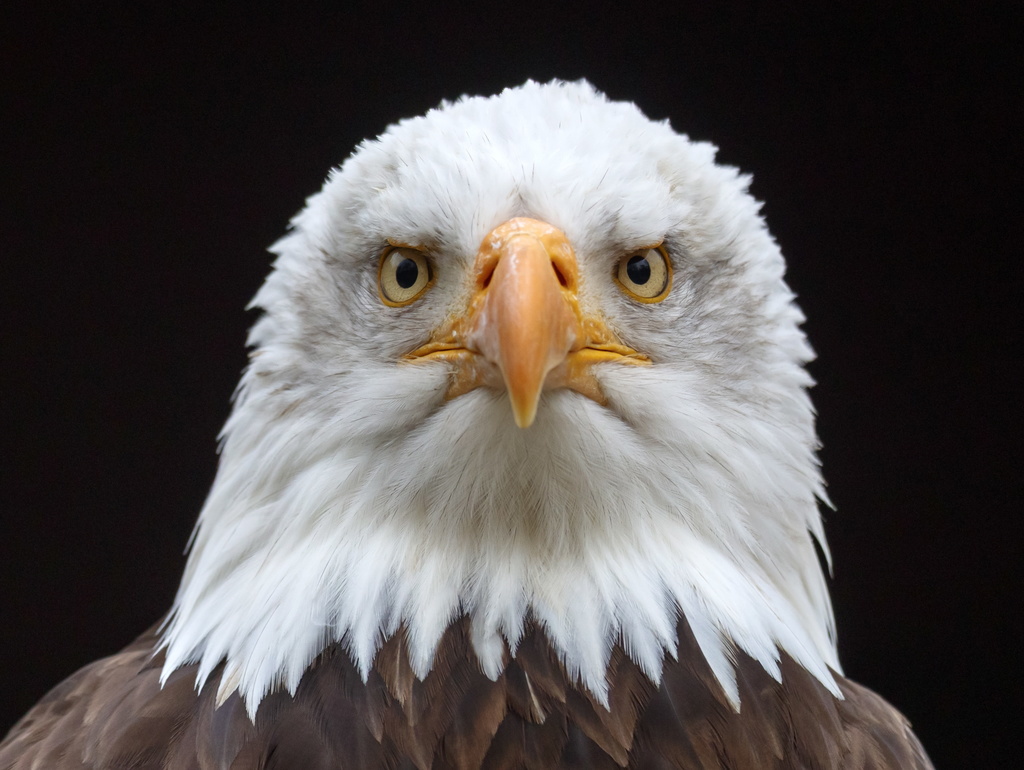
[487, 273]
[561, 277]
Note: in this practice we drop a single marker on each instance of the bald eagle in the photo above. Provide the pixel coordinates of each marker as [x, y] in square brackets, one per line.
[522, 474]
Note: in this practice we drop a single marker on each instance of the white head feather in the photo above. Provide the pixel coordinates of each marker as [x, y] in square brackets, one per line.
[352, 498]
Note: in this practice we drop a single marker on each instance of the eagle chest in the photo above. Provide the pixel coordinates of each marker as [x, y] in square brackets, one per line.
[534, 716]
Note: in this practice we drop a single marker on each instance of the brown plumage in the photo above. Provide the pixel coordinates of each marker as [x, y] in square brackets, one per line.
[113, 714]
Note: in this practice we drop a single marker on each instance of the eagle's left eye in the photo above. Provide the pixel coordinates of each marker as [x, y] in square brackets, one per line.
[403, 276]
[646, 275]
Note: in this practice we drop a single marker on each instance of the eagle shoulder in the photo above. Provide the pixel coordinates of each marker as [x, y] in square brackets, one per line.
[111, 713]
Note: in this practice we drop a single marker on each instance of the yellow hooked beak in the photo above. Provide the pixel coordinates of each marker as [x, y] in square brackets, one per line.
[522, 328]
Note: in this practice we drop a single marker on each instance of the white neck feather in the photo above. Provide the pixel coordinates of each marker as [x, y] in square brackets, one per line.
[602, 528]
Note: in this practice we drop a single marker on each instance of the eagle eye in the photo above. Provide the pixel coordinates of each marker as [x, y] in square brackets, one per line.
[645, 275]
[404, 275]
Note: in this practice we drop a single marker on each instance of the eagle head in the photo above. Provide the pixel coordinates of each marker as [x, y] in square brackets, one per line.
[525, 358]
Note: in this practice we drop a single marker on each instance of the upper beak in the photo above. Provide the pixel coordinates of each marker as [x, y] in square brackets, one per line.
[524, 320]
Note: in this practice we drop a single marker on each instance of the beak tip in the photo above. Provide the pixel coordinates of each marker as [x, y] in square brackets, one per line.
[524, 414]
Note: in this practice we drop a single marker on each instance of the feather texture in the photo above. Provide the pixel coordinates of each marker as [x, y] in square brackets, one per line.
[352, 498]
[534, 716]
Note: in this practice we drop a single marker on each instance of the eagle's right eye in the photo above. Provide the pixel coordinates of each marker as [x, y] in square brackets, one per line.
[404, 276]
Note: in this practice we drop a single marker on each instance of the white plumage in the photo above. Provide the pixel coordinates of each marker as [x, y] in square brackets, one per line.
[353, 497]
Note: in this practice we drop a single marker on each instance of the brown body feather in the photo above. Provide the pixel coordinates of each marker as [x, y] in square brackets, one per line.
[114, 714]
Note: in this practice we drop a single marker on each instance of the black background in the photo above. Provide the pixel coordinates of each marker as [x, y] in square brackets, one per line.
[151, 156]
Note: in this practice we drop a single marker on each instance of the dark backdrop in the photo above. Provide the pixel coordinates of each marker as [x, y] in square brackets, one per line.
[150, 157]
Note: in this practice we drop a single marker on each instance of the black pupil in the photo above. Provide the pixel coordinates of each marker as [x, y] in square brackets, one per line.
[639, 270]
[406, 273]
